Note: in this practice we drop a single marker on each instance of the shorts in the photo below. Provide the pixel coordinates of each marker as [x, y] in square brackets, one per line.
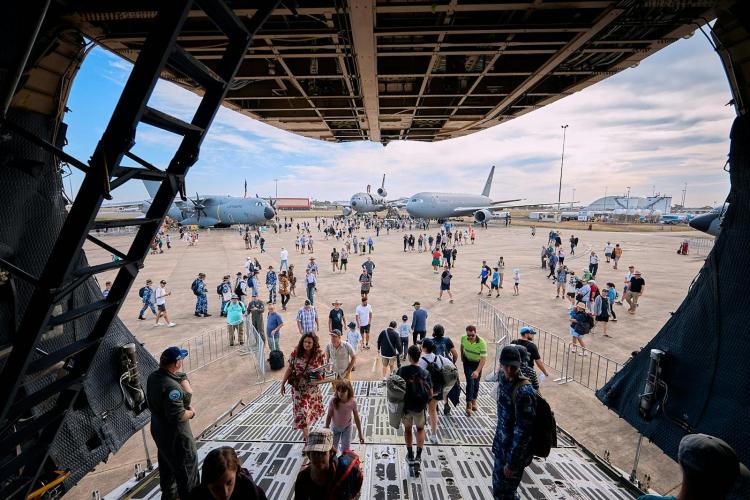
[162, 307]
[484, 280]
[388, 361]
[495, 286]
[443, 286]
[415, 418]
[608, 255]
[571, 294]
[574, 333]
[364, 290]
[364, 329]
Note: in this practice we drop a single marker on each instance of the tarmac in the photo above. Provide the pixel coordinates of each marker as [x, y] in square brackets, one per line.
[399, 279]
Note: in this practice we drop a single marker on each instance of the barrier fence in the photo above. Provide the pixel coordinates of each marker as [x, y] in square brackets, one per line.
[573, 364]
[701, 246]
[214, 345]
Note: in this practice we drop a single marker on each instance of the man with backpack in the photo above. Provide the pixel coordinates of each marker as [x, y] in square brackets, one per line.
[224, 291]
[445, 348]
[434, 365]
[148, 296]
[516, 409]
[389, 346]
[418, 394]
[199, 290]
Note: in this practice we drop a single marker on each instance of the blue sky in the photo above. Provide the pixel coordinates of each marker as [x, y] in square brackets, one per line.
[653, 127]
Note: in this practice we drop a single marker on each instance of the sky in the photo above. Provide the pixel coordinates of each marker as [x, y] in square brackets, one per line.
[652, 128]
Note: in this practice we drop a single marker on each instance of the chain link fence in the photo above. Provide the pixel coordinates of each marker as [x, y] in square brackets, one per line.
[573, 364]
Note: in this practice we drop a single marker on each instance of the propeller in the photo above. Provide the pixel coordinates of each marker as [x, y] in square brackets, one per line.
[198, 207]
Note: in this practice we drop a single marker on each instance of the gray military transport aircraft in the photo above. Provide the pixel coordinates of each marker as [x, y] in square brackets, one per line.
[211, 210]
[442, 206]
[710, 223]
[368, 202]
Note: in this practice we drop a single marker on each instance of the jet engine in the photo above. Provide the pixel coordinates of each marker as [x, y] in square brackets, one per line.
[382, 192]
[482, 216]
[347, 211]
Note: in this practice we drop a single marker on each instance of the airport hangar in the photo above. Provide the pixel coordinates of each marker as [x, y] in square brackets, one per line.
[335, 70]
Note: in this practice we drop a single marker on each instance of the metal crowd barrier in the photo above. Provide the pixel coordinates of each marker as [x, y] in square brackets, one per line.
[591, 370]
[213, 345]
[701, 246]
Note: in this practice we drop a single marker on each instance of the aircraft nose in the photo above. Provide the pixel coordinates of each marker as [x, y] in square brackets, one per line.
[703, 222]
[269, 213]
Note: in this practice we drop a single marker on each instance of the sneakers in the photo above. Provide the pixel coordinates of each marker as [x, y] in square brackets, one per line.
[170, 325]
[447, 410]
[141, 318]
[434, 439]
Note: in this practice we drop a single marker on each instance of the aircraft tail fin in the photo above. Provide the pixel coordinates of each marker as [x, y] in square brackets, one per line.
[488, 184]
[152, 187]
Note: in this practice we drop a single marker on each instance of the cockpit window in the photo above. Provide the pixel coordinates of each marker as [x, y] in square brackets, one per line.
[258, 204]
[416, 200]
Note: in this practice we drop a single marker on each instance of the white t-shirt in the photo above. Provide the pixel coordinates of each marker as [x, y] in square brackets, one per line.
[608, 249]
[160, 294]
[593, 259]
[364, 314]
[284, 254]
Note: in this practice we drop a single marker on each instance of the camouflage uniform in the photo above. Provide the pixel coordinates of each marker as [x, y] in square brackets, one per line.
[511, 445]
[201, 302]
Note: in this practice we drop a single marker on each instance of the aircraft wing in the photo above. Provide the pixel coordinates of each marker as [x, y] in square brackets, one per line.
[398, 202]
[495, 206]
[505, 201]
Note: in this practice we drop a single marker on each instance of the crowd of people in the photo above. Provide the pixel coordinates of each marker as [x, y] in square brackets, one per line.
[423, 364]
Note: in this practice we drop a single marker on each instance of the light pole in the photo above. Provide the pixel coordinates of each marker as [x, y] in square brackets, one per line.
[277, 187]
[605, 202]
[627, 210]
[684, 190]
[562, 160]
[574, 199]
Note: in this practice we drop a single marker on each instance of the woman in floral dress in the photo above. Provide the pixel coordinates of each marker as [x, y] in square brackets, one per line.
[306, 399]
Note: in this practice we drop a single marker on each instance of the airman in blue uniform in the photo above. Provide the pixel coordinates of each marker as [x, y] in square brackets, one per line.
[201, 302]
[169, 396]
[516, 407]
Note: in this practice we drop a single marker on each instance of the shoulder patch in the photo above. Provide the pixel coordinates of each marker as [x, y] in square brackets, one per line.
[175, 395]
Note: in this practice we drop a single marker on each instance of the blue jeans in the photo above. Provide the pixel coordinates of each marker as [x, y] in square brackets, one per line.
[273, 341]
[311, 293]
[344, 436]
[284, 266]
[472, 384]
[147, 305]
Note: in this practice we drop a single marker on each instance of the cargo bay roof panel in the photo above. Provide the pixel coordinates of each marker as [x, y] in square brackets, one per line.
[385, 70]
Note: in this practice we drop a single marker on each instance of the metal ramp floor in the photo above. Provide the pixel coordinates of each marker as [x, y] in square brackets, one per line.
[459, 468]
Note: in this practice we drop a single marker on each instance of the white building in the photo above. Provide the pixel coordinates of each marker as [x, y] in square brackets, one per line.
[635, 205]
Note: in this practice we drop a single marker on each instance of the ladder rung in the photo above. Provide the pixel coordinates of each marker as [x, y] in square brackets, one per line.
[100, 268]
[61, 354]
[140, 173]
[76, 313]
[107, 224]
[184, 63]
[167, 122]
[46, 392]
[223, 17]
[106, 246]
[140, 161]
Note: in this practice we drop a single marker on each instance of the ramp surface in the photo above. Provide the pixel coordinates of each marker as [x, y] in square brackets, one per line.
[460, 467]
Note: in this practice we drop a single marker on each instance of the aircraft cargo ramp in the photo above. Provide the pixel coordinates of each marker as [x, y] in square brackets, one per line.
[460, 467]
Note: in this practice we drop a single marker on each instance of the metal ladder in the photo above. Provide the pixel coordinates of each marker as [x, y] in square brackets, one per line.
[24, 452]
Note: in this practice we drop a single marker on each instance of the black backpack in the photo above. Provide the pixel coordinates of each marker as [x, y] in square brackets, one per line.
[238, 290]
[436, 373]
[544, 432]
[142, 292]
[219, 289]
[194, 287]
[348, 477]
[417, 391]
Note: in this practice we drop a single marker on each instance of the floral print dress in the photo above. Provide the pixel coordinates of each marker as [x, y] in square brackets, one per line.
[306, 398]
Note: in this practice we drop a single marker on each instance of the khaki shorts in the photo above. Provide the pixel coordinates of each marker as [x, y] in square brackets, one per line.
[388, 361]
[415, 418]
